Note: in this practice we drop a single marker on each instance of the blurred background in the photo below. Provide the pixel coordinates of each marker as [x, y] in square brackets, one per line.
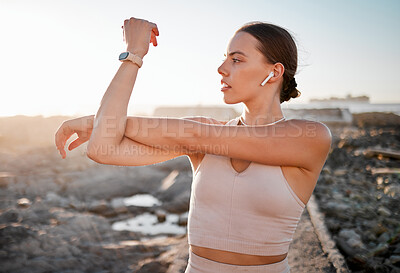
[57, 58]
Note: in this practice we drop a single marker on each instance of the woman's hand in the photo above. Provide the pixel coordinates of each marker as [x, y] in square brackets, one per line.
[81, 126]
[138, 34]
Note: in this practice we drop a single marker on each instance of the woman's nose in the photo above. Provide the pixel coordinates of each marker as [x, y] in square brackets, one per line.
[222, 70]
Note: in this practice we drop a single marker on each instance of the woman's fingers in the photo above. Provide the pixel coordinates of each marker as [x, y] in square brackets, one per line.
[63, 153]
[153, 39]
[138, 33]
[62, 135]
[155, 29]
[77, 142]
[60, 144]
[82, 126]
[154, 33]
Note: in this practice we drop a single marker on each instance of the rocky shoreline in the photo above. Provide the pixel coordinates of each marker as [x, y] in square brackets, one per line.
[359, 192]
[57, 215]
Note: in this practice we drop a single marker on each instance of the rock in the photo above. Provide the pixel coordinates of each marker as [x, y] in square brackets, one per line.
[384, 237]
[380, 250]
[340, 172]
[355, 243]
[24, 202]
[14, 234]
[345, 248]
[31, 246]
[356, 182]
[153, 266]
[183, 219]
[176, 198]
[181, 164]
[397, 249]
[161, 215]
[370, 235]
[326, 170]
[338, 196]
[181, 185]
[115, 181]
[392, 190]
[99, 207]
[76, 204]
[337, 157]
[54, 199]
[394, 259]
[118, 205]
[5, 179]
[384, 211]
[337, 206]
[352, 238]
[357, 197]
[10, 216]
[378, 229]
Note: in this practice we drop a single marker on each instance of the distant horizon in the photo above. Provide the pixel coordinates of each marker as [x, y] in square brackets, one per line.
[146, 108]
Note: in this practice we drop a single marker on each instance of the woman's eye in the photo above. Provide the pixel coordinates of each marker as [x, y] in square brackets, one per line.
[233, 59]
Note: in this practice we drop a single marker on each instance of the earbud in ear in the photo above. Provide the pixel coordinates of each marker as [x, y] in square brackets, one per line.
[267, 79]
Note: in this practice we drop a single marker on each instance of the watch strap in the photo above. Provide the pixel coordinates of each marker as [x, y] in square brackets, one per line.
[128, 56]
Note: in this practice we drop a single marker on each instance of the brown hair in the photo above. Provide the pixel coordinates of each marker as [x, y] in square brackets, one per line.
[277, 46]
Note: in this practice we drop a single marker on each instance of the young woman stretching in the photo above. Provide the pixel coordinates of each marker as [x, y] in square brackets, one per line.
[253, 175]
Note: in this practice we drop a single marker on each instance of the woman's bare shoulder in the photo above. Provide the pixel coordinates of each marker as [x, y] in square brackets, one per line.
[207, 120]
[316, 131]
[312, 126]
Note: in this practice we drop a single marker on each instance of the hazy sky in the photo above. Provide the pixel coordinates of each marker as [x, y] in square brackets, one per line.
[58, 57]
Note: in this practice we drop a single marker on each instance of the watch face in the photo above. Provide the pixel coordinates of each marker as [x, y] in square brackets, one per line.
[123, 55]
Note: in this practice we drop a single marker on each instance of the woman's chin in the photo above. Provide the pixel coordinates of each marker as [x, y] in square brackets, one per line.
[230, 101]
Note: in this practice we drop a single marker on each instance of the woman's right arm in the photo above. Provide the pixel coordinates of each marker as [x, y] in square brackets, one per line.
[128, 152]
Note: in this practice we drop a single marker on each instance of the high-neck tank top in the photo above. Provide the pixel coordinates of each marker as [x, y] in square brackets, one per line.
[253, 212]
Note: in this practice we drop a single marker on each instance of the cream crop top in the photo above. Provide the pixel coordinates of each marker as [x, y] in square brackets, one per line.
[253, 212]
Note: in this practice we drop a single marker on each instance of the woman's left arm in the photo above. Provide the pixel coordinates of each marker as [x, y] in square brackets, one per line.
[110, 121]
[298, 143]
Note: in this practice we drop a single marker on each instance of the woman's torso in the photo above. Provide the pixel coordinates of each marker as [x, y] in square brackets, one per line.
[301, 182]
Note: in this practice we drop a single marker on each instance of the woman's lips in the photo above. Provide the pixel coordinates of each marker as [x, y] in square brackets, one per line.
[225, 86]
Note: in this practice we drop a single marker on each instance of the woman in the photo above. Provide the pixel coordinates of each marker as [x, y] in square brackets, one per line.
[253, 175]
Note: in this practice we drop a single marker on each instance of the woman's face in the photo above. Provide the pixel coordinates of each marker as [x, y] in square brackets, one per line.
[244, 69]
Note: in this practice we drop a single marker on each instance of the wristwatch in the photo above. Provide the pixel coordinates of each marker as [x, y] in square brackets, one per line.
[127, 56]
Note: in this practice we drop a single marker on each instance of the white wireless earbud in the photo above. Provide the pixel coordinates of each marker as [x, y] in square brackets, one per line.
[267, 79]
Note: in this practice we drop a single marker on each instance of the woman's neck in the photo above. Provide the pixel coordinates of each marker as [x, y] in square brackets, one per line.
[261, 114]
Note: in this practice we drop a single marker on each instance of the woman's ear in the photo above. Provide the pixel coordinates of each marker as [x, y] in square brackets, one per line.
[279, 70]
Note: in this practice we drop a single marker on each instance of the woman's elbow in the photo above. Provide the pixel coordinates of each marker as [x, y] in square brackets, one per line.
[96, 152]
[91, 153]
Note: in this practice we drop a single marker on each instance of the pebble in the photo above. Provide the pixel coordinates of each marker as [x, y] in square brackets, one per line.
[340, 172]
[349, 233]
[161, 215]
[355, 243]
[24, 202]
[183, 219]
[394, 259]
[384, 237]
[98, 206]
[381, 249]
[397, 249]
[384, 211]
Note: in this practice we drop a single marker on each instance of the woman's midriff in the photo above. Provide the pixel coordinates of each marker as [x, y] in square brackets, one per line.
[235, 258]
